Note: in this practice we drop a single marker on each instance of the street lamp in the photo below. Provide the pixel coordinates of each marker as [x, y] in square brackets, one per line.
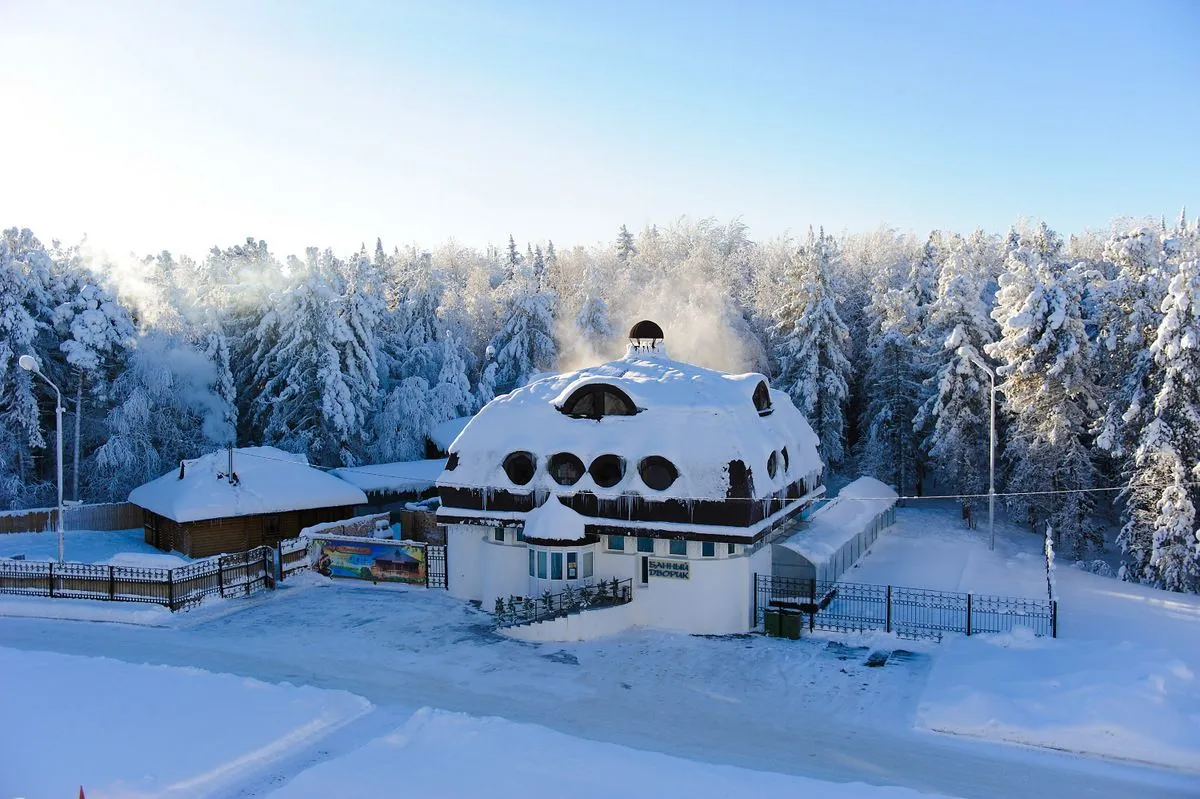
[30, 364]
[971, 355]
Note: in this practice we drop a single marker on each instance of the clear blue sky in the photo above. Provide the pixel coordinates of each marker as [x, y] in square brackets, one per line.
[182, 125]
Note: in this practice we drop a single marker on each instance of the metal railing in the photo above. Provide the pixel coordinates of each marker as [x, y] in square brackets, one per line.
[236, 574]
[907, 612]
[526, 610]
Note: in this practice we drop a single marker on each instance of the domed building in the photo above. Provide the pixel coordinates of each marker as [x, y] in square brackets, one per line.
[667, 475]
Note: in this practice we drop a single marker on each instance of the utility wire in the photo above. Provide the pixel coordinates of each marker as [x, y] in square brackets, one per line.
[999, 494]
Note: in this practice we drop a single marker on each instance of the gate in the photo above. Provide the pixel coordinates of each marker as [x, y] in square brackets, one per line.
[435, 566]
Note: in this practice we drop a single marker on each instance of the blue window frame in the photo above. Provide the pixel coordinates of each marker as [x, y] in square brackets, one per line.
[541, 565]
[645, 544]
[532, 571]
[678, 547]
[498, 534]
[731, 548]
[556, 561]
[708, 549]
[616, 542]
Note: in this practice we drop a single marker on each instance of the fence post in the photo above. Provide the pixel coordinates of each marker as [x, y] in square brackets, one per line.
[279, 561]
[112, 584]
[968, 614]
[268, 576]
[755, 620]
[220, 576]
[1053, 618]
[51, 578]
[171, 589]
[888, 627]
[426, 548]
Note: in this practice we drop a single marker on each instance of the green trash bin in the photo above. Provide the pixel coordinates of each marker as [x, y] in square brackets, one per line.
[771, 622]
[790, 624]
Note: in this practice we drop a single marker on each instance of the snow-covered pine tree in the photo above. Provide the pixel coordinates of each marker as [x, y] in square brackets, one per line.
[626, 248]
[21, 257]
[955, 414]
[165, 410]
[1126, 317]
[361, 306]
[94, 329]
[1159, 537]
[306, 404]
[809, 345]
[1048, 392]
[452, 396]
[525, 344]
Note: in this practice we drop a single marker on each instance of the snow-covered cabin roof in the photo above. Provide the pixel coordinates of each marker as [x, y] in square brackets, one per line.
[554, 521]
[269, 481]
[404, 477]
[698, 419]
[442, 435]
[844, 517]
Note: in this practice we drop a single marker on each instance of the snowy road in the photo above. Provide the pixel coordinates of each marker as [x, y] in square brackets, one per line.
[772, 705]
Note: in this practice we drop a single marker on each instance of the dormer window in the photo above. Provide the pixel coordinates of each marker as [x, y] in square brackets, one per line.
[598, 400]
[762, 399]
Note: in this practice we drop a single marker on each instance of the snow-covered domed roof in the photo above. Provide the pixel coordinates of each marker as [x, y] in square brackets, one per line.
[269, 480]
[642, 406]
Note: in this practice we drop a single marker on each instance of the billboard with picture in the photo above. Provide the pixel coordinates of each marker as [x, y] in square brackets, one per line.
[377, 560]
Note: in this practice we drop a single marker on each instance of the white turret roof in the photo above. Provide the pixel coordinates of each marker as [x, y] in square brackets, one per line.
[697, 418]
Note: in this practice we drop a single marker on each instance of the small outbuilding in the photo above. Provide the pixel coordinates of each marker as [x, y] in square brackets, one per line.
[236, 499]
[833, 538]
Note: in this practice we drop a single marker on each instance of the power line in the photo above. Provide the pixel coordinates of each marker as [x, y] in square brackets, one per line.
[906, 498]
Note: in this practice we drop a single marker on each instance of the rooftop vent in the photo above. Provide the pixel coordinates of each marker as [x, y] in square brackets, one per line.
[646, 336]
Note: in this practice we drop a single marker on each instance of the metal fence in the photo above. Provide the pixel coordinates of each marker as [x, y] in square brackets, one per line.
[237, 574]
[907, 612]
[518, 610]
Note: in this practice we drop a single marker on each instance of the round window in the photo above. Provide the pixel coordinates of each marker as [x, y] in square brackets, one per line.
[762, 399]
[565, 468]
[772, 465]
[607, 470]
[520, 466]
[657, 472]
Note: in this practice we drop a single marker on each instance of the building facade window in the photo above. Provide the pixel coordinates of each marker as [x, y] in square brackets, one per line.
[645, 544]
[520, 533]
[541, 557]
[678, 547]
[616, 542]
[708, 549]
[732, 548]
[585, 570]
[532, 559]
[556, 565]
[498, 534]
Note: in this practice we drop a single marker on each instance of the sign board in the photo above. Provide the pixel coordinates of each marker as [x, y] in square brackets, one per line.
[376, 560]
[676, 569]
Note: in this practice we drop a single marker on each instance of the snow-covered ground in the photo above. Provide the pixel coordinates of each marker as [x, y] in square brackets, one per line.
[1120, 681]
[694, 706]
[124, 730]
[116, 547]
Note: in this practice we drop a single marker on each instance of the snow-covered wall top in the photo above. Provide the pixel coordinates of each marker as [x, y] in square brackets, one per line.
[554, 521]
[404, 477]
[269, 481]
[844, 517]
[698, 419]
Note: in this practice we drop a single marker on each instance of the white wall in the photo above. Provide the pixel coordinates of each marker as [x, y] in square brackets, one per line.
[505, 571]
[577, 626]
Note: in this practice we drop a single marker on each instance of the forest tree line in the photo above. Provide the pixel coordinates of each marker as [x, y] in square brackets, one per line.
[881, 339]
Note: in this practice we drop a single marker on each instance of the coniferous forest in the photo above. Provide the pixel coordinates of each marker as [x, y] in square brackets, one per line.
[880, 338]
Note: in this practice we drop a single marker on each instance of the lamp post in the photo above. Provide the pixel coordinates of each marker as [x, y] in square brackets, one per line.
[971, 355]
[30, 364]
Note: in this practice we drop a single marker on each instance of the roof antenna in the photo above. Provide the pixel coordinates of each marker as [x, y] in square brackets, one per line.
[232, 477]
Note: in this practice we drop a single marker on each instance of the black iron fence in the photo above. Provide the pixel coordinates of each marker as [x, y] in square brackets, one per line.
[518, 610]
[237, 574]
[908, 612]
